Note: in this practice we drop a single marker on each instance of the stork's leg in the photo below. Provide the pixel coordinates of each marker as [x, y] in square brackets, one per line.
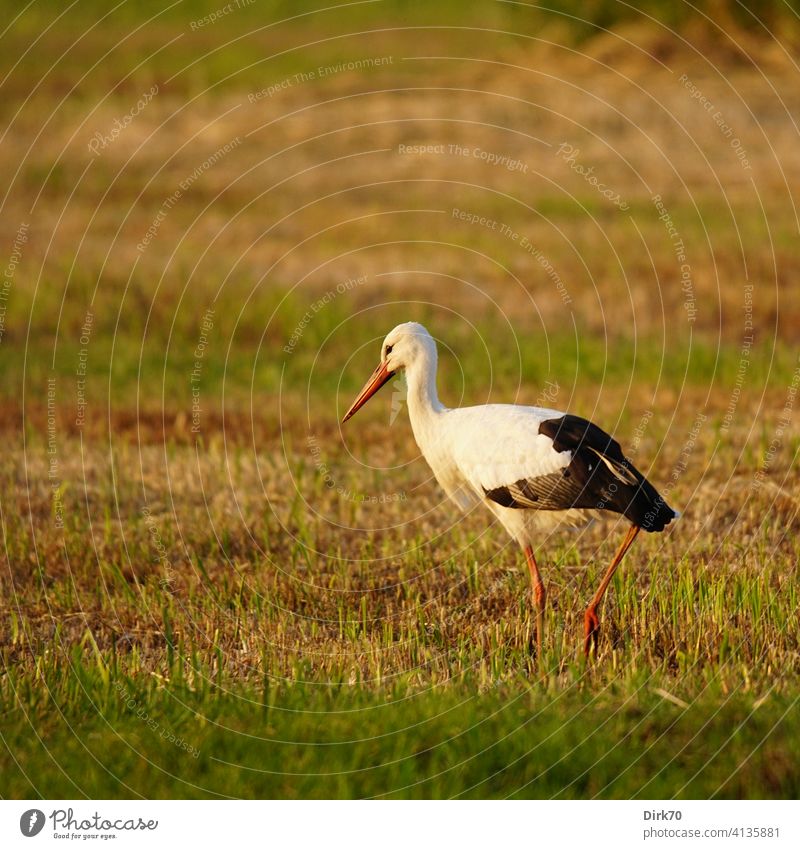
[591, 622]
[539, 597]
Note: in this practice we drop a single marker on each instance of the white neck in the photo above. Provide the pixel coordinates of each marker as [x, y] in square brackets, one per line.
[424, 406]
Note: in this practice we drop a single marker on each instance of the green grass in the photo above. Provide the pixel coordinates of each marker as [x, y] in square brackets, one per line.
[362, 671]
[252, 597]
[80, 730]
[246, 355]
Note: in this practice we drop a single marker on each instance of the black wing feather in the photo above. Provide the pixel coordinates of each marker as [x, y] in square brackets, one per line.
[599, 477]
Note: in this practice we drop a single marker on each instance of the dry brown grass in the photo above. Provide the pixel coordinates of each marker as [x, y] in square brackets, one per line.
[250, 554]
[219, 570]
[632, 119]
[317, 192]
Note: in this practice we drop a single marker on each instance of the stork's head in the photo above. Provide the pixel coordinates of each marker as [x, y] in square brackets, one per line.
[408, 346]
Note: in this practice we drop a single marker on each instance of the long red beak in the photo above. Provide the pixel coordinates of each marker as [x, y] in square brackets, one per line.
[380, 376]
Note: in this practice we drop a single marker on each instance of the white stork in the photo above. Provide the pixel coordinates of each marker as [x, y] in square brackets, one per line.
[518, 461]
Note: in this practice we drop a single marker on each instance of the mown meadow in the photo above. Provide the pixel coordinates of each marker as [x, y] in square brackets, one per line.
[208, 587]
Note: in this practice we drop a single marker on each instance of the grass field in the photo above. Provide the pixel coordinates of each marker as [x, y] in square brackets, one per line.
[209, 588]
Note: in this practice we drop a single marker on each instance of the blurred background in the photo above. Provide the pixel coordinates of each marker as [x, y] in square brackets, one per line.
[213, 213]
[296, 135]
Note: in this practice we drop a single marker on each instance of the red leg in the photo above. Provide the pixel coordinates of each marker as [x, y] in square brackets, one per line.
[539, 597]
[591, 620]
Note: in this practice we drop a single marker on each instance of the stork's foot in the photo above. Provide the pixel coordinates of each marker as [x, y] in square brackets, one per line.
[540, 599]
[535, 646]
[591, 631]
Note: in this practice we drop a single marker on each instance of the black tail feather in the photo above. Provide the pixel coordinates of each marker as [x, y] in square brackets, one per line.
[603, 478]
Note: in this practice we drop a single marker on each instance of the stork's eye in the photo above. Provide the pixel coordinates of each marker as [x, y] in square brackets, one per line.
[388, 350]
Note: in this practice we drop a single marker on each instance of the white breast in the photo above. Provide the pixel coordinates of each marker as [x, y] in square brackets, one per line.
[475, 449]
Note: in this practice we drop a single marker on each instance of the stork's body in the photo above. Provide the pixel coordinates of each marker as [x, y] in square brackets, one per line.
[528, 465]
